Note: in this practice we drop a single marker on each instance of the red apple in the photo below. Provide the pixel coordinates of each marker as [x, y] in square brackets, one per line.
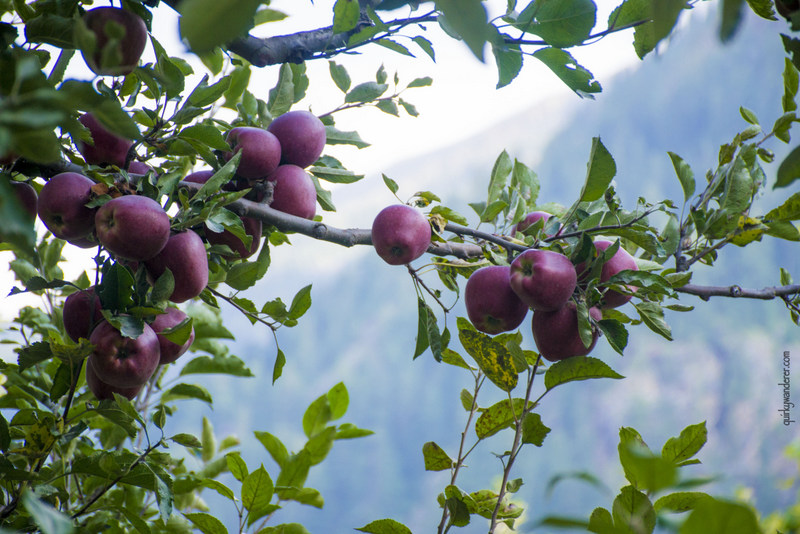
[139, 167]
[81, 312]
[184, 255]
[170, 351]
[62, 206]
[621, 261]
[400, 234]
[302, 137]
[492, 306]
[103, 391]
[27, 196]
[106, 148]
[132, 227]
[121, 361]
[261, 151]
[556, 332]
[84, 242]
[529, 220]
[121, 37]
[294, 192]
[543, 279]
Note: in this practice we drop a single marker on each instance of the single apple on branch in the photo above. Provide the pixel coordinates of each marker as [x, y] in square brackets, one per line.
[302, 137]
[185, 256]
[62, 206]
[106, 148]
[120, 361]
[170, 351]
[81, 312]
[556, 332]
[293, 192]
[103, 391]
[543, 279]
[400, 234]
[132, 227]
[492, 306]
[261, 151]
[120, 37]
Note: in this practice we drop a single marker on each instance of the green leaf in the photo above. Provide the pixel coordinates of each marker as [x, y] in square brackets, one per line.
[339, 76]
[562, 23]
[645, 470]
[789, 169]
[566, 67]
[601, 169]
[281, 97]
[633, 511]
[652, 315]
[533, 430]
[468, 18]
[227, 365]
[616, 334]
[345, 15]
[365, 92]
[206, 134]
[206, 24]
[499, 178]
[493, 358]
[237, 466]
[788, 211]
[663, 15]
[394, 46]
[385, 526]
[187, 440]
[335, 176]
[577, 368]
[681, 448]
[317, 416]
[499, 416]
[274, 446]
[18, 226]
[714, 516]
[32, 354]
[187, 391]
[681, 501]
[763, 8]
[436, 459]
[339, 400]
[277, 368]
[338, 137]
[107, 110]
[47, 518]
[206, 523]
[257, 490]
[685, 175]
[425, 45]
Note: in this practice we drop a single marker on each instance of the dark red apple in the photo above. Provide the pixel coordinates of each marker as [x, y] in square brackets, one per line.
[62, 206]
[170, 351]
[106, 148]
[543, 279]
[621, 261]
[302, 137]
[294, 192]
[556, 332]
[252, 227]
[88, 241]
[400, 234]
[121, 361]
[184, 255]
[121, 37]
[81, 312]
[529, 220]
[133, 227]
[261, 151]
[139, 167]
[27, 196]
[492, 306]
[199, 177]
[103, 391]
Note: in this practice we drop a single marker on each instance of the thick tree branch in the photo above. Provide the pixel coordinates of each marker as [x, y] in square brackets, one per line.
[734, 291]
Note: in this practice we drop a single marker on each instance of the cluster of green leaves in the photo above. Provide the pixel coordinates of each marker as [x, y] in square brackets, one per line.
[652, 475]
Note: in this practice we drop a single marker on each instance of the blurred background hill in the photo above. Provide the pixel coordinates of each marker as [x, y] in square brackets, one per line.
[724, 367]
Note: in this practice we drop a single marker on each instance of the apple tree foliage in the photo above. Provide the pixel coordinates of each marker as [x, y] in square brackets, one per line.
[72, 463]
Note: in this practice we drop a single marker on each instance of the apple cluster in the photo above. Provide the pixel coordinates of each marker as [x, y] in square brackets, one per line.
[137, 231]
[498, 297]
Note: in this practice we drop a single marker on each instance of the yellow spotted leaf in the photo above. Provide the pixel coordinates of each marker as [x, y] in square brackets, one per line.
[493, 358]
[748, 230]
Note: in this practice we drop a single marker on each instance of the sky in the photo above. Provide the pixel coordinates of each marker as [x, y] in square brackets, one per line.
[461, 102]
